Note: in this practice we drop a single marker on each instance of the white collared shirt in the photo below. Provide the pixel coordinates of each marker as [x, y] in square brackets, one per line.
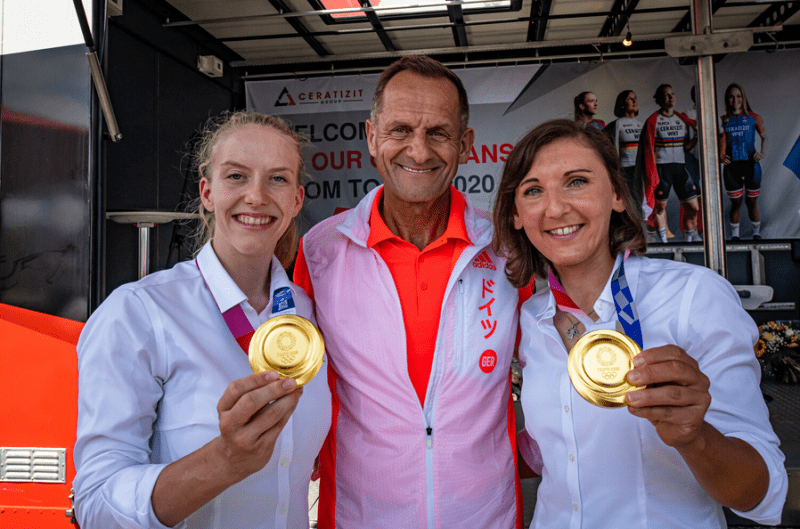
[154, 359]
[605, 468]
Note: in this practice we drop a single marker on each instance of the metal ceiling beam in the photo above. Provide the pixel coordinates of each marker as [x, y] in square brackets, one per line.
[541, 59]
[616, 22]
[316, 12]
[456, 15]
[356, 31]
[592, 41]
[436, 25]
[450, 64]
[298, 14]
[465, 51]
[353, 31]
[686, 22]
[301, 30]
[377, 26]
[775, 15]
[537, 23]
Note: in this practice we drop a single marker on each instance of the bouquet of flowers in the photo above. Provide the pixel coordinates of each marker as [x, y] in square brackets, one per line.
[778, 351]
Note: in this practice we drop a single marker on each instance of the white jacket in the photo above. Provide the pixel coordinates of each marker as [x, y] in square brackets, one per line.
[389, 462]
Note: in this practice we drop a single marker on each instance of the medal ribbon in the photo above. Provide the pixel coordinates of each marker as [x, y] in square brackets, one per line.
[623, 301]
[626, 309]
[240, 326]
[237, 321]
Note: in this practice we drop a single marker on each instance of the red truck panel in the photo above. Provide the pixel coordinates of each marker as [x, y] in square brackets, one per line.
[38, 399]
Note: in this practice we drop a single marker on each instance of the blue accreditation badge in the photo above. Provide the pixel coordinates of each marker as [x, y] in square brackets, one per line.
[282, 300]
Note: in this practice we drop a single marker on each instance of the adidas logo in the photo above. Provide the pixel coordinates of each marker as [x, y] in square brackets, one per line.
[483, 261]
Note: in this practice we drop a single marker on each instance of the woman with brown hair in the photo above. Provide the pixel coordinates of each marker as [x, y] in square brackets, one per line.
[624, 134]
[563, 211]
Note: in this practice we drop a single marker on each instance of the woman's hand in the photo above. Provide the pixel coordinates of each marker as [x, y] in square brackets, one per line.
[676, 398]
[675, 402]
[252, 412]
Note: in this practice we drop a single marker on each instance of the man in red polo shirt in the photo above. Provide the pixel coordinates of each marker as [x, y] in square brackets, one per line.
[419, 324]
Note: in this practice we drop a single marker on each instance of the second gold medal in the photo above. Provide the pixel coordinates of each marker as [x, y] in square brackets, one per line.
[598, 366]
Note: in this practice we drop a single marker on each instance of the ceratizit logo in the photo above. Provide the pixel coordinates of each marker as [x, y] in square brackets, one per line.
[318, 97]
[289, 101]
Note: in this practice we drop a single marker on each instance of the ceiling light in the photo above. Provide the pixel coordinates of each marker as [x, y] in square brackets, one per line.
[628, 39]
[410, 7]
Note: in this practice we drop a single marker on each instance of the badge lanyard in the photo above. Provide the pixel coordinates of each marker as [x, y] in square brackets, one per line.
[623, 302]
[237, 321]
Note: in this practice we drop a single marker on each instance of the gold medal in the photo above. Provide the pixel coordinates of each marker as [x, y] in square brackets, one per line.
[598, 366]
[288, 344]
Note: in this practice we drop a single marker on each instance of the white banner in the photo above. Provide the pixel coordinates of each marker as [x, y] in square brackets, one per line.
[310, 96]
[506, 102]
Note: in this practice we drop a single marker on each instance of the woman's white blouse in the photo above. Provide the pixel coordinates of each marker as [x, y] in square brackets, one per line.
[153, 361]
[605, 468]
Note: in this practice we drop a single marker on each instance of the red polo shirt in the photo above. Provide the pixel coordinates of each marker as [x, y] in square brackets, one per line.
[420, 277]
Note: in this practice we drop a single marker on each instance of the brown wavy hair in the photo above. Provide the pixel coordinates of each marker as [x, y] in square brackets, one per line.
[523, 259]
[213, 132]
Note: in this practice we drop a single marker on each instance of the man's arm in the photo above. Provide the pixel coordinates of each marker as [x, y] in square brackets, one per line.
[252, 411]
[703, 399]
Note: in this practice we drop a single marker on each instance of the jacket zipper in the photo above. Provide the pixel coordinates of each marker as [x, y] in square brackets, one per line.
[425, 419]
[429, 475]
[461, 328]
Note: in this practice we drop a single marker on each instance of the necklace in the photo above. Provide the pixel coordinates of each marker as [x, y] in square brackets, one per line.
[573, 331]
[569, 327]
[572, 327]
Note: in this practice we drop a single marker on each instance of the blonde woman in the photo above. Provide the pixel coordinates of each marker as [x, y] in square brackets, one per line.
[174, 429]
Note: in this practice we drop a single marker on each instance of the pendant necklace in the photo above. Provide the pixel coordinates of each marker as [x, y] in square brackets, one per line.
[573, 331]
